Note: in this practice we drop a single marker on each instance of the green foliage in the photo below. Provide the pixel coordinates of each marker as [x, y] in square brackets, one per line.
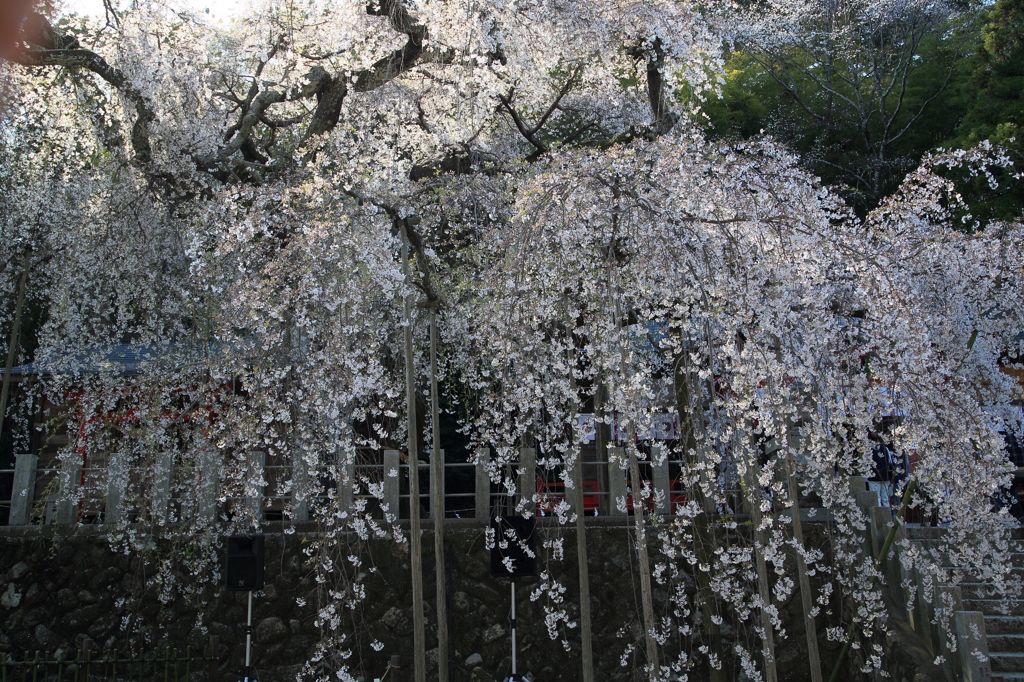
[741, 110]
[991, 94]
[965, 85]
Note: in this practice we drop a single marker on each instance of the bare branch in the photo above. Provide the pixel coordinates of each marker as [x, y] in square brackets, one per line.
[506, 102]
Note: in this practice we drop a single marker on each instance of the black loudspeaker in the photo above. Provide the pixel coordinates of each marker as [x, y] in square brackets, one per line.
[513, 540]
[245, 563]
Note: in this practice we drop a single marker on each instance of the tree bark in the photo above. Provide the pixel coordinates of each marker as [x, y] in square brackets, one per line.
[12, 346]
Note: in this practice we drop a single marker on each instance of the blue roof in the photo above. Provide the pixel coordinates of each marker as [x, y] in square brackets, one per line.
[123, 359]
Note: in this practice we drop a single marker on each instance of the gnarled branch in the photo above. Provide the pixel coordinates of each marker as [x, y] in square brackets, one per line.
[89, 60]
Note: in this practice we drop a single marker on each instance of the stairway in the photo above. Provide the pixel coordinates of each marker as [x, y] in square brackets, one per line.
[1004, 621]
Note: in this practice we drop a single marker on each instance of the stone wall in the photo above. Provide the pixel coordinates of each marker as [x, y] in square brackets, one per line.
[57, 592]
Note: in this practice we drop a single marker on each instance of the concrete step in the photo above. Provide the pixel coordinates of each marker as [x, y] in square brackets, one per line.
[1016, 560]
[933, 533]
[1014, 642]
[995, 607]
[1011, 661]
[1004, 625]
[973, 590]
[966, 576]
[932, 548]
[1007, 677]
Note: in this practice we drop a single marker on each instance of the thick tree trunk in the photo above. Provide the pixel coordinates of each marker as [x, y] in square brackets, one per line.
[12, 345]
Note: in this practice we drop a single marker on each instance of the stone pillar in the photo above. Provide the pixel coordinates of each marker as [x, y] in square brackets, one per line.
[209, 463]
[925, 611]
[616, 480]
[257, 461]
[858, 484]
[971, 642]
[393, 462]
[347, 471]
[23, 490]
[947, 601]
[300, 489]
[879, 521]
[70, 482]
[902, 579]
[163, 474]
[866, 499]
[660, 481]
[483, 483]
[117, 483]
[527, 480]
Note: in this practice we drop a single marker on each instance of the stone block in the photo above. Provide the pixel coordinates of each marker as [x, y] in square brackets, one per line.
[972, 646]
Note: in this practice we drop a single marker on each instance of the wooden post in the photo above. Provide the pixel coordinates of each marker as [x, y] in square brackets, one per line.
[646, 593]
[660, 481]
[586, 626]
[807, 599]
[483, 484]
[437, 495]
[527, 479]
[23, 489]
[690, 424]
[582, 559]
[616, 481]
[437, 511]
[639, 508]
[393, 463]
[602, 441]
[415, 548]
[768, 638]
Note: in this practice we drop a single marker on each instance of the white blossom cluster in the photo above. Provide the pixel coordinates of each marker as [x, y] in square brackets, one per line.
[592, 248]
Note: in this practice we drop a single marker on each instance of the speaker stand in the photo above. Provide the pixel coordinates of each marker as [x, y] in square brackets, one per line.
[512, 623]
[248, 642]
